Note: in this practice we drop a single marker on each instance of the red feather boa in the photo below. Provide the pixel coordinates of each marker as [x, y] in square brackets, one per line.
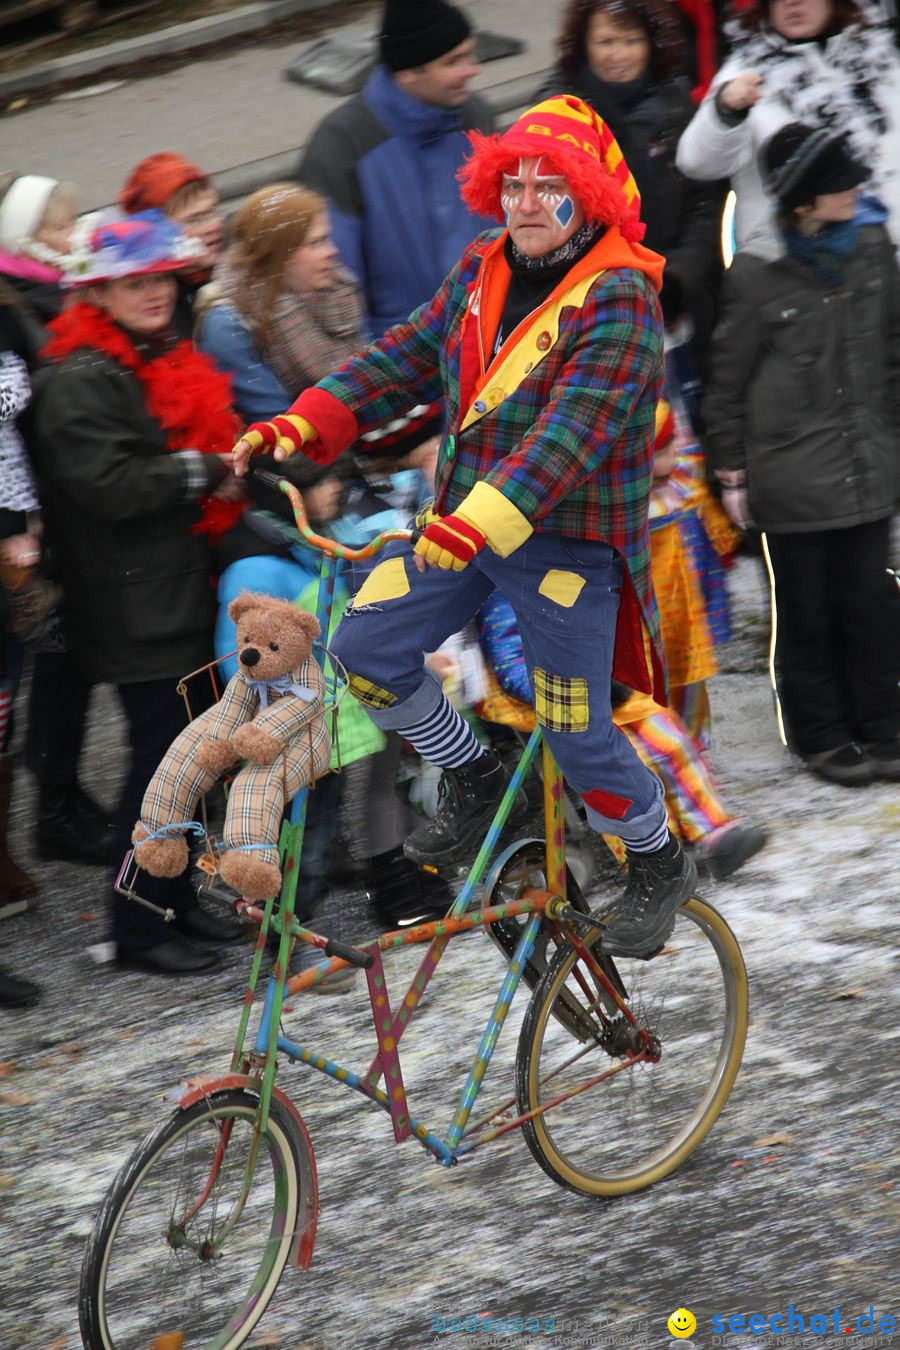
[183, 390]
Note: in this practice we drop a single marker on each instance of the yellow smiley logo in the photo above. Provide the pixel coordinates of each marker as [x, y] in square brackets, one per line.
[682, 1323]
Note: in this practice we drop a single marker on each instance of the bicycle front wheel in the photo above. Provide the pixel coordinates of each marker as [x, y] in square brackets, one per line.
[609, 1122]
[172, 1251]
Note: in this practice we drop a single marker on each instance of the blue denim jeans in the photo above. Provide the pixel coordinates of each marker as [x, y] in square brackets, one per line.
[565, 593]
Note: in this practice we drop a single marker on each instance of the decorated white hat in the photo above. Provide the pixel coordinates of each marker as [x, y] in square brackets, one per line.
[109, 246]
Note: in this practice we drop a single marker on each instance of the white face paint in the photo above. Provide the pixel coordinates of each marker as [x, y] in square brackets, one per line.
[541, 213]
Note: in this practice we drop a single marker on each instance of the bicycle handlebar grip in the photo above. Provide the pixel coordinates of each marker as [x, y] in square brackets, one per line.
[270, 479]
[350, 954]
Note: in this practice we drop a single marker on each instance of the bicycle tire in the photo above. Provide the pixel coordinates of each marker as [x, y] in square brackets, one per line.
[603, 1139]
[203, 1317]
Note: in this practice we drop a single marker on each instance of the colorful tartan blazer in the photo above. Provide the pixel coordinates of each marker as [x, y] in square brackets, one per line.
[561, 420]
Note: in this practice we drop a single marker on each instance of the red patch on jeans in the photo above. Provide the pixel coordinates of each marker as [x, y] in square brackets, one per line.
[607, 803]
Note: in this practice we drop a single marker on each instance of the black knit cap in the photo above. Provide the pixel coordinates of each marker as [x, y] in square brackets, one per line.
[414, 32]
[801, 163]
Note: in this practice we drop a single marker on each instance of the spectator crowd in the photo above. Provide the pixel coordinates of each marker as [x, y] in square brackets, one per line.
[137, 343]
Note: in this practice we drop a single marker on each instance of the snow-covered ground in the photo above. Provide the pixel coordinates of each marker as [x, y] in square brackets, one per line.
[791, 1199]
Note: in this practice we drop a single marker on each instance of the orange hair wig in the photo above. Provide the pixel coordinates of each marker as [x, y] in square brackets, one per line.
[579, 146]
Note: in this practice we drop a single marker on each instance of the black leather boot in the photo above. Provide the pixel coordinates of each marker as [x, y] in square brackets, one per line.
[172, 957]
[403, 894]
[468, 799]
[72, 827]
[17, 993]
[657, 884]
[199, 925]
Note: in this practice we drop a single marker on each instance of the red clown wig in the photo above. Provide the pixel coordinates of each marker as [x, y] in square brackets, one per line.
[577, 144]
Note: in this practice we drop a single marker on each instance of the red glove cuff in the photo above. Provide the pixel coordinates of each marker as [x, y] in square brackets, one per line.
[334, 422]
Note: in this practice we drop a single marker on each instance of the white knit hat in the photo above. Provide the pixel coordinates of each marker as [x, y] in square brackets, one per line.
[22, 209]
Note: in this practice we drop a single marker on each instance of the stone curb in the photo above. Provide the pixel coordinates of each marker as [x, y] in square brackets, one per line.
[180, 37]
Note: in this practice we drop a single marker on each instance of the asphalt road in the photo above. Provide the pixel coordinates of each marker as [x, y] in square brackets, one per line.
[791, 1199]
[221, 112]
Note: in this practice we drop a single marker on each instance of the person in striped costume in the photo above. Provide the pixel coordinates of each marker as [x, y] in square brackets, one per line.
[546, 342]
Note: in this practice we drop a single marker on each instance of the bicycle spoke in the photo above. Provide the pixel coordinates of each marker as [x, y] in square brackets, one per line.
[180, 1249]
[615, 1096]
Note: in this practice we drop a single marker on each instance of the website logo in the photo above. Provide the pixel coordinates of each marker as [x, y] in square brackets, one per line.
[682, 1323]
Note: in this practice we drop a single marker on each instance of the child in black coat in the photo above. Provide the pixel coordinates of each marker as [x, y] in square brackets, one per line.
[803, 430]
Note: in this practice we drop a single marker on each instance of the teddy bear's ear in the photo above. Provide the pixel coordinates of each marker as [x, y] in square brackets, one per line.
[246, 600]
[307, 623]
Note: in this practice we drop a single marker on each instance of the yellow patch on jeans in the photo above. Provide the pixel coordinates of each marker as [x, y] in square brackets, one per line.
[563, 588]
[387, 581]
[560, 701]
[370, 695]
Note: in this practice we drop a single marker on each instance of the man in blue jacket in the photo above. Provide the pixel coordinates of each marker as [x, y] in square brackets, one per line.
[387, 161]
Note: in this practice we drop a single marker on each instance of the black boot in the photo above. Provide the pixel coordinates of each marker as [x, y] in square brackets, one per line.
[17, 993]
[403, 894]
[199, 925]
[884, 758]
[72, 827]
[467, 802]
[847, 766]
[172, 957]
[657, 884]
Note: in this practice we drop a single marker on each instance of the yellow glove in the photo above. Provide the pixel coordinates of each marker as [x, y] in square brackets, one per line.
[484, 517]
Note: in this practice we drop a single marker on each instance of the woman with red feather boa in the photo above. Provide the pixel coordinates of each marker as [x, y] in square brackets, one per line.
[131, 433]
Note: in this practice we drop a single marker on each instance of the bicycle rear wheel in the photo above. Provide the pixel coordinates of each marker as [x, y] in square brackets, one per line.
[161, 1258]
[637, 1124]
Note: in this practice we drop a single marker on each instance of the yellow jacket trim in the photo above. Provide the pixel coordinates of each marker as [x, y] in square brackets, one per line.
[502, 524]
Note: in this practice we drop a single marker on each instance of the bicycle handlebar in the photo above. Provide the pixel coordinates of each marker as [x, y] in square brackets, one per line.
[329, 546]
[365, 960]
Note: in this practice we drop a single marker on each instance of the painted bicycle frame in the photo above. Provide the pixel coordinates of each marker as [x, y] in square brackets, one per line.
[257, 1064]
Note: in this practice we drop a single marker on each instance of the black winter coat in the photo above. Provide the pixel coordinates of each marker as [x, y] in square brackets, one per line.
[119, 512]
[805, 388]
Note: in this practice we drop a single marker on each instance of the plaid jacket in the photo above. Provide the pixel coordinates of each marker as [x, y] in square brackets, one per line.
[561, 421]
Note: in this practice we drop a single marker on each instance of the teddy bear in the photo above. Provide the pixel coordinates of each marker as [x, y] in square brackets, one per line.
[271, 715]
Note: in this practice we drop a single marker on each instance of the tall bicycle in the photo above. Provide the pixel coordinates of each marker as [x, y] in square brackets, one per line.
[623, 1066]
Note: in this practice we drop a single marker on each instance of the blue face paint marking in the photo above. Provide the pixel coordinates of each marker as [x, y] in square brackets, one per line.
[565, 211]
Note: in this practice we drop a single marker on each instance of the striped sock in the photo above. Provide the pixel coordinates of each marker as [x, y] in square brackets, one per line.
[443, 738]
[653, 843]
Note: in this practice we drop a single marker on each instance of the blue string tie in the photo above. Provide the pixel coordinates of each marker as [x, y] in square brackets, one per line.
[248, 848]
[164, 831]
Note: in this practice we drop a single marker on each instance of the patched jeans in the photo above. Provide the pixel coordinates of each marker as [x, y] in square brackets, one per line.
[565, 593]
